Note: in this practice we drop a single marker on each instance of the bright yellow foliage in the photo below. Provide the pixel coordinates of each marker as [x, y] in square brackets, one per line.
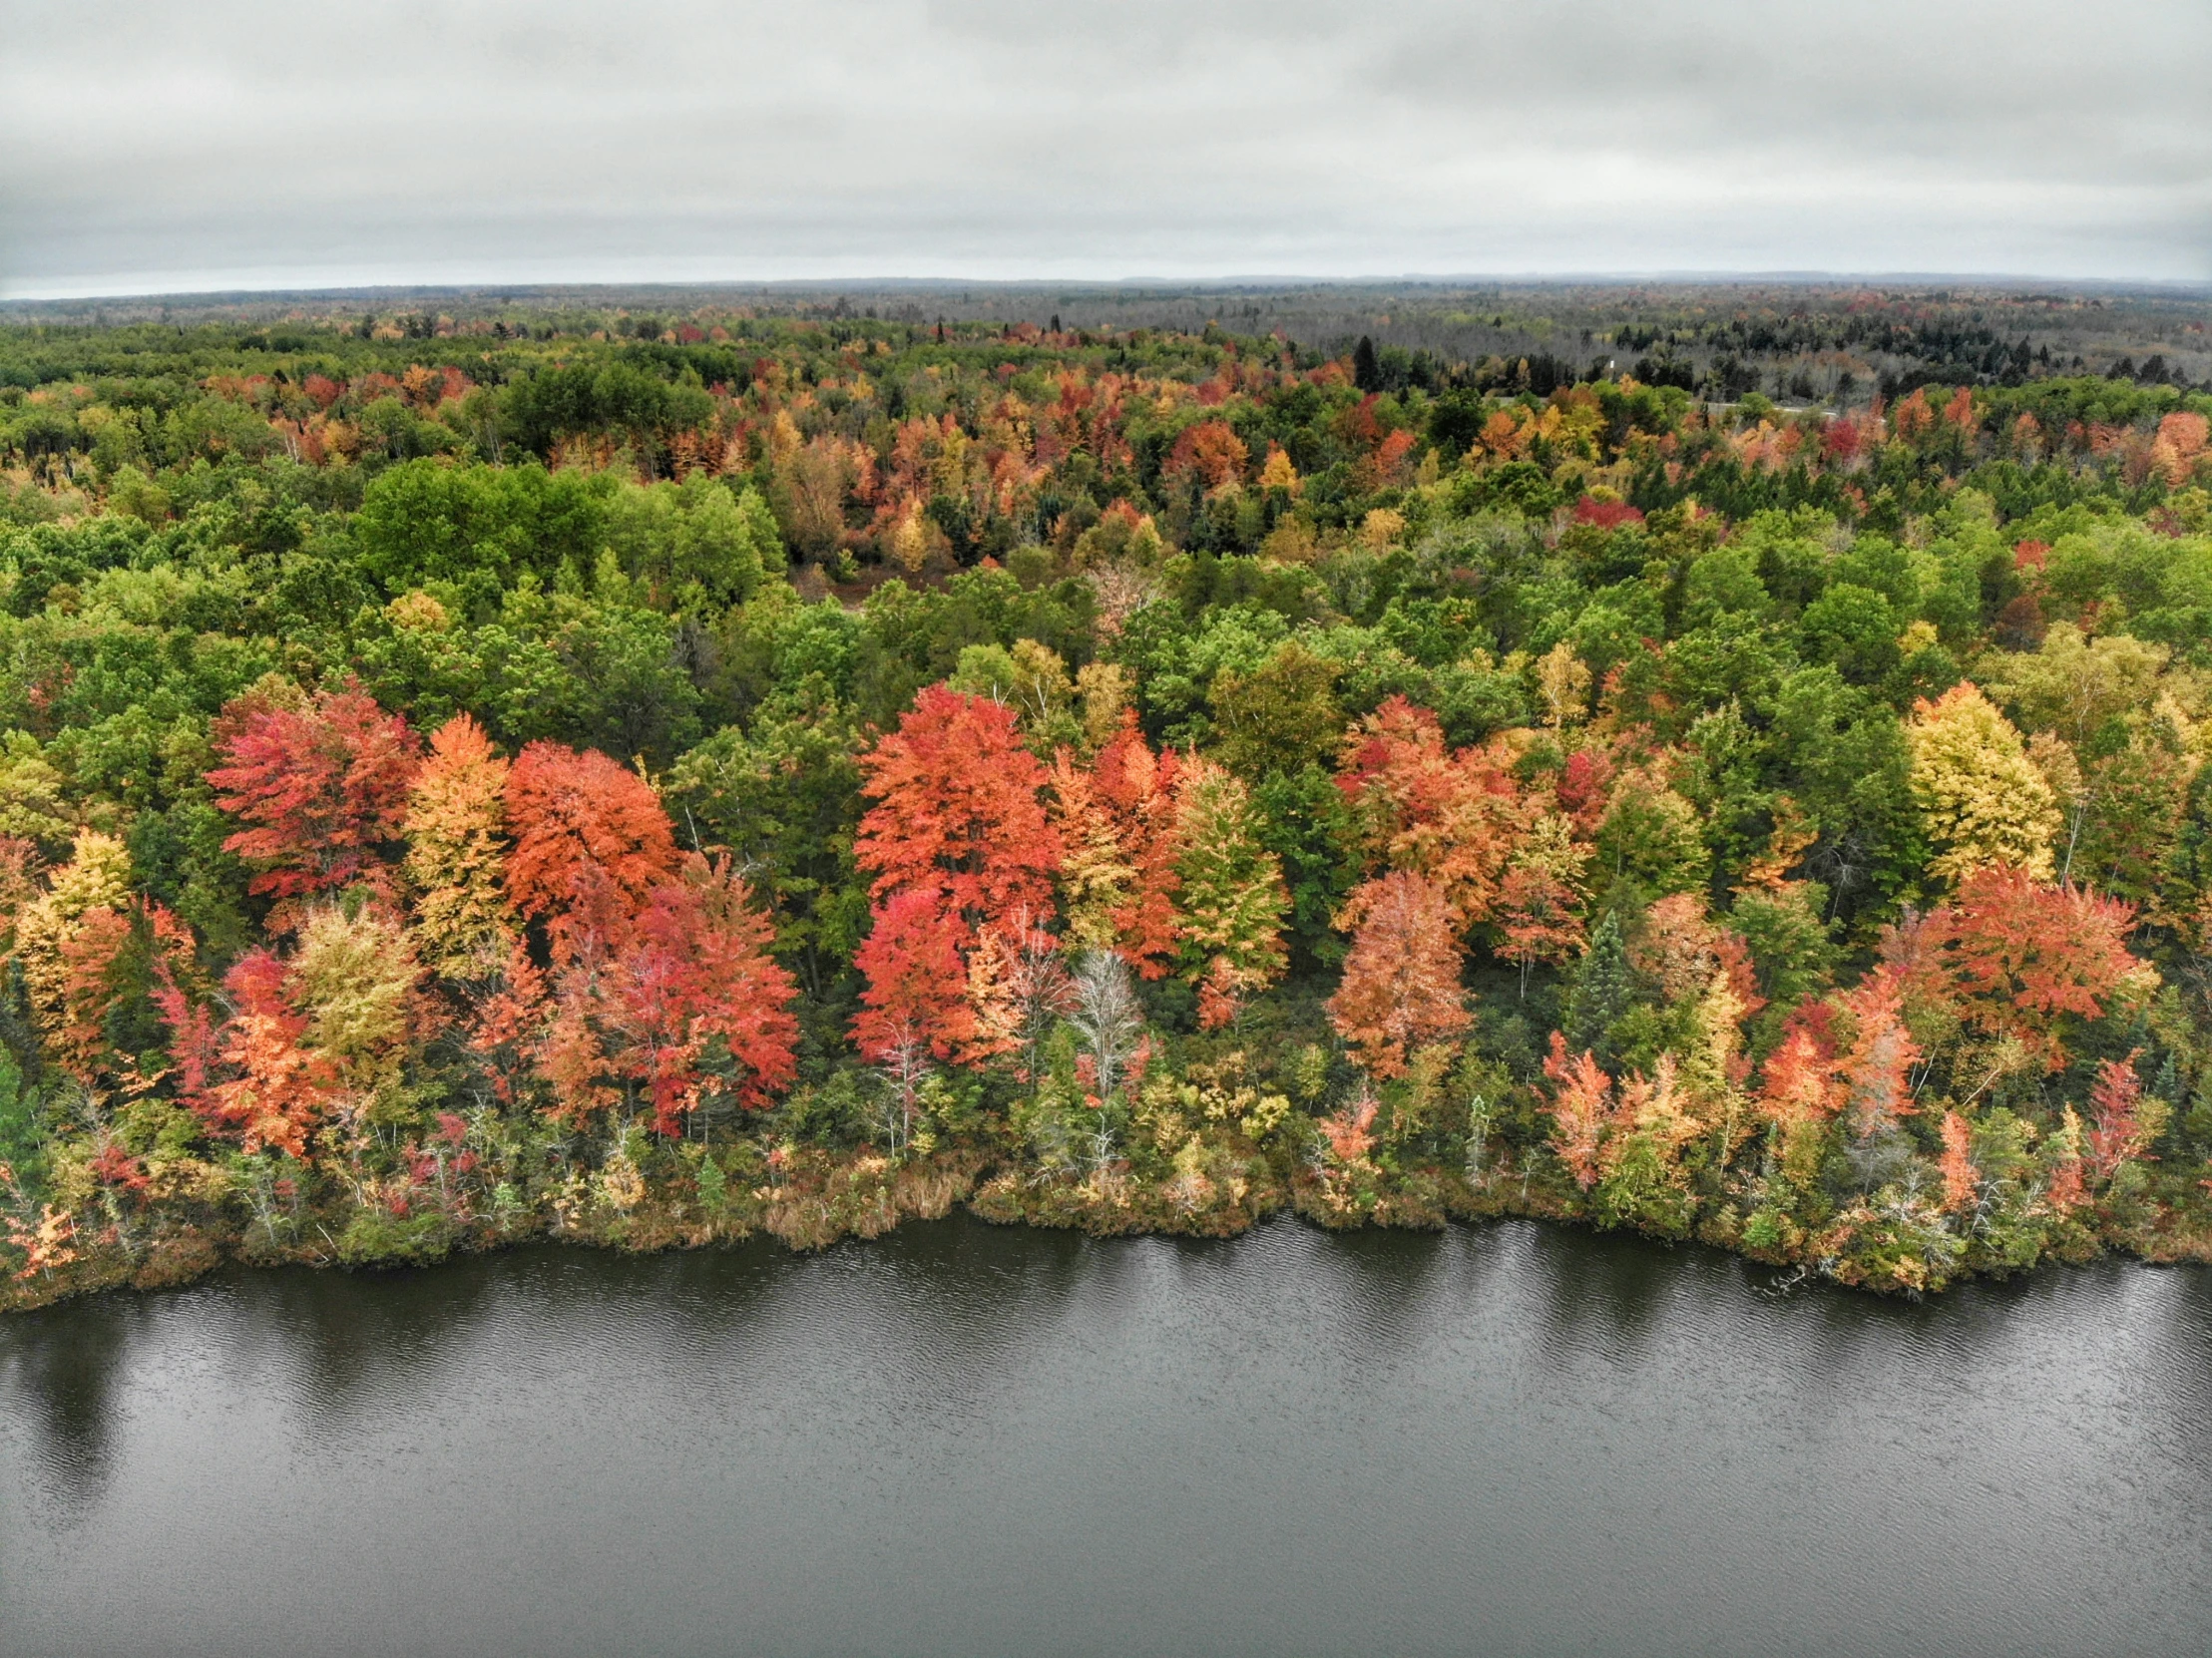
[1981, 798]
[456, 853]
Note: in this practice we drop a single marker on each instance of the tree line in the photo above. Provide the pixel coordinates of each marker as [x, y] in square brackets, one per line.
[790, 774]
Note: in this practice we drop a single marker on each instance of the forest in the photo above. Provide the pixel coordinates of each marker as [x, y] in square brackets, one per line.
[650, 777]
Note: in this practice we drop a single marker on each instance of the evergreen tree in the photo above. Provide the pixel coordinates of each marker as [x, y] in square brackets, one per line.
[1367, 374]
[1605, 987]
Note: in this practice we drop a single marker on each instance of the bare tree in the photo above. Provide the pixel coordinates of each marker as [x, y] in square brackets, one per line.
[1110, 1027]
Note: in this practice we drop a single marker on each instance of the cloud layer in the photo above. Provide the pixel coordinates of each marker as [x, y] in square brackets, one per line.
[247, 143]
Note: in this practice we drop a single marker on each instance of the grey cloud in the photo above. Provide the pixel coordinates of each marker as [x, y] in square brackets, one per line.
[244, 140]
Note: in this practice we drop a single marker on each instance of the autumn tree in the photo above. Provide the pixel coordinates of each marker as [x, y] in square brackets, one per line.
[1538, 914]
[1876, 1070]
[1643, 1183]
[354, 979]
[916, 991]
[1144, 793]
[1456, 817]
[323, 789]
[1799, 1095]
[456, 855]
[2123, 1123]
[590, 843]
[1401, 984]
[1582, 1109]
[106, 1029]
[2014, 958]
[275, 1088]
[1961, 1180]
[1230, 894]
[1018, 986]
[97, 877]
[957, 812]
[684, 1011]
[1117, 822]
[1981, 798]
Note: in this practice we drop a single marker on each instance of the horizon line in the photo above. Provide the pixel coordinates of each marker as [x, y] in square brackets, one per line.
[249, 291]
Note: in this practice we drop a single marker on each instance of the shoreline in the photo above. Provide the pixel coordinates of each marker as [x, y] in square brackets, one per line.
[863, 1197]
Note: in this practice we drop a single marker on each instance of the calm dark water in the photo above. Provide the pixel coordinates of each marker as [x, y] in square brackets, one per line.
[966, 1441]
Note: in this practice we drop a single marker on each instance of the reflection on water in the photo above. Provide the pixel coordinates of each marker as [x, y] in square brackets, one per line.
[968, 1440]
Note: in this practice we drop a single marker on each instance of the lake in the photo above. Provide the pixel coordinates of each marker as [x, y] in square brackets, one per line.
[961, 1440]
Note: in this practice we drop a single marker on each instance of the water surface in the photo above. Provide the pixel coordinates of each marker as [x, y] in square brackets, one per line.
[967, 1441]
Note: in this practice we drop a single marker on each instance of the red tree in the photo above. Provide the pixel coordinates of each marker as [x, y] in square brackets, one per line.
[276, 1088]
[916, 1000]
[1138, 787]
[590, 843]
[699, 989]
[323, 790]
[958, 813]
[2115, 1121]
[2013, 955]
[1582, 1110]
[1453, 816]
[689, 1005]
[1961, 1180]
[1876, 1070]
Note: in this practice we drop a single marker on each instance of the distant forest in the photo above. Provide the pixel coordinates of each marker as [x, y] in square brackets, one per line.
[648, 767]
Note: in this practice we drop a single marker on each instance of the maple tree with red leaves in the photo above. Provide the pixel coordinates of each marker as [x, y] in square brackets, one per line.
[1139, 790]
[1452, 816]
[915, 994]
[958, 811]
[592, 842]
[2117, 1129]
[1582, 1110]
[274, 1089]
[690, 1008]
[2014, 957]
[323, 789]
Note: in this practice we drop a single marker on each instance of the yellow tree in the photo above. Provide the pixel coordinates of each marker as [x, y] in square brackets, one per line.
[456, 855]
[1096, 874]
[1229, 892]
[1981, 799]
[95, 878]
[354, 980]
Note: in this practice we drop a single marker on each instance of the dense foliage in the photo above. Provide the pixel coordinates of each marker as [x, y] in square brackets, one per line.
[648, 784]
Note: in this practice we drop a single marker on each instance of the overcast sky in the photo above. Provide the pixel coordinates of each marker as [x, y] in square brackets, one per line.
[154, 145]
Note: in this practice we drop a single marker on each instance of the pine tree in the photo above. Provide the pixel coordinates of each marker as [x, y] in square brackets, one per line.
[1367, 374]
[1604, 989]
